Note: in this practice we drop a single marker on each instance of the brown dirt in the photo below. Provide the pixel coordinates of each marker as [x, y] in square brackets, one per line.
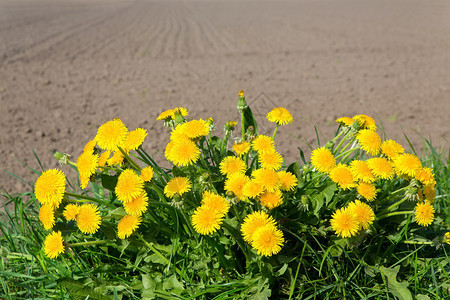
[68, 66]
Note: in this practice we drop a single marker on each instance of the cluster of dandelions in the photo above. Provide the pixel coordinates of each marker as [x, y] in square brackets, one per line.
[250, 173]
[386, 164]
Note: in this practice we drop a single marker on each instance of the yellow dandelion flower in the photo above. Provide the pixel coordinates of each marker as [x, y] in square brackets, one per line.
[134, 139]
[116, 159]
[407, 164]
[424, 213]
[263, 143]
[381, 168]
[288, 181]
[47, 216]
[361, 171]
[369, 140]
[267, 240]
[268, 178]
[182, 152]
[111, 135]
[196, 128]
[129, 185]
[429, 192]
[84, 181]
[206, 220]
[127, 225]
[345, 121]
[137, 206]
[270, 160]
[90, 146]
[364, 213]
[50, 187]
[344, 223]
[232, 164]
[147, 173]
[280, 115]
[391, 149]
[177, 186]
[425, 176]
[165, 115]
[53, 244]
[178, 133]
[181, 110]
[215, 202]
[241, 94]
[103, 158]
[235, 183]
[241, 148]
[323, 160]
[365, 122]
[71, 211]
[447, 237]
[254, 221]
[88, 219]
[342, 175]
[252, 189]
[367, 190]
[87, 163]
[271, 199]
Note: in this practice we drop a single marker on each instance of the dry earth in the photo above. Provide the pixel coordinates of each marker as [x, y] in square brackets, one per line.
[68, 66]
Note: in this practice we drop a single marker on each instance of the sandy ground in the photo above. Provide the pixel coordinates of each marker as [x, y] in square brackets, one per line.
[68, 66]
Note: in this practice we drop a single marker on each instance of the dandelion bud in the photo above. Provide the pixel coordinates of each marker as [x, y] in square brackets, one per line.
[411, 193]
[242, 104]
[230, 194]
[230, 125]
[178, 116]
[63, 158]
[329, 145]
[304, 203]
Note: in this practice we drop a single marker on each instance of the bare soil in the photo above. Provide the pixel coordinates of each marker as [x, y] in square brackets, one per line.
[68, 66]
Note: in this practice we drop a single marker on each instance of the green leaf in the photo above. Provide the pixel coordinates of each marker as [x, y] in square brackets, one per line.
[249, 120]
[109, 182]
[317, 201]
[79, 291]
[328, 192]
[398, 289]
[172, 284]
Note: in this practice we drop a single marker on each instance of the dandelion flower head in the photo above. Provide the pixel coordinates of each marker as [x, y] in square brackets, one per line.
[215, 202]
[323, 160]
[182, 152]
[345, 121]
[47, 216]
[177, 186]
[365, 122]
[344, 223]
[87, 163]
[129, 185]
[424, 213]
[267, 240]
[268, 178]
[254, 221]
[50, 187]
[364, 213]
[252, 189]
[369, 140]
[116, 159]
[241, 148]
[288, 181]
[88, 219]
[165, 115]
[127, 225]
[425, 176]
[53, 244]
[232, 164]
[367, 190]
[90, 146]
[271, 199]
[407, 164]
[71, 211]
[206, 220]
[280, 115]
[381, 168]
[103, 158]
[137, 206]
[235, 183]
[391, 149]
[270, 160]
[111, 135]
[361, 171]
[342, 175]
[134, 139]
[196, 128]
[263, 143]
[147, 174]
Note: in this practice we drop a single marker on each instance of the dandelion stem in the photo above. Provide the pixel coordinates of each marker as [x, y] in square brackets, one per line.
[242, 125]
[395, 204]
[90, 199]
[128, 158]
[275, 132]
[418, 243]
[341, 142]
[395, 213]
[347, 153]
[88, 243]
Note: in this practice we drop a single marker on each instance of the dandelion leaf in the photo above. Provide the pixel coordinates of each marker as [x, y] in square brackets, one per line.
[109, 182]
[398, 289]
[249, 120]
